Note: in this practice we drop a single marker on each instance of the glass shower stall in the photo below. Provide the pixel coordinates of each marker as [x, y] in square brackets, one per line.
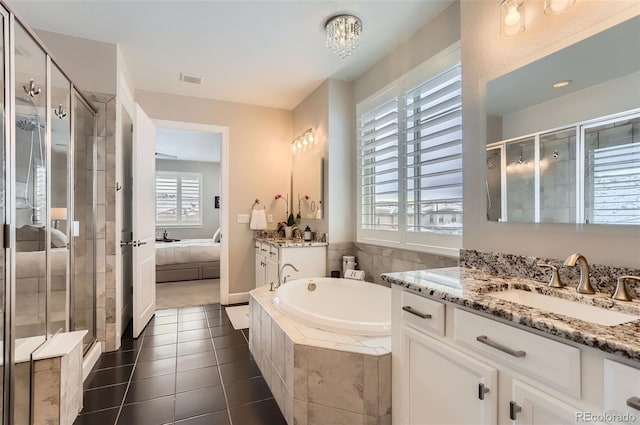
[48, 203]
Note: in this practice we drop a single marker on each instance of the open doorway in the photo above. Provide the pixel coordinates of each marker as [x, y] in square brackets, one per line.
[188, 220]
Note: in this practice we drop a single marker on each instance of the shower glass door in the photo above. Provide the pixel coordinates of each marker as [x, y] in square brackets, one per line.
[4, 277]
[83, 293]
[31, 200]
[59, 211]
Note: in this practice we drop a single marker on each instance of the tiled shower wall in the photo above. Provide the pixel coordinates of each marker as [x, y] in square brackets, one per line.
[106, 219]
[375, 260]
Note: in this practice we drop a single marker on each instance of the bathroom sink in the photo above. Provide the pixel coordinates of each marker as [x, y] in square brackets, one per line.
[588, 313]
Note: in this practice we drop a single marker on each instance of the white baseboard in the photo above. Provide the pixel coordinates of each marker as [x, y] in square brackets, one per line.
[239, 297]
[90, 359]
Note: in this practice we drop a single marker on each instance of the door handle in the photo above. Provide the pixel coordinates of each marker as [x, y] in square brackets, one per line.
[482, 390]
[140, 243]
[125, 243]
[514, 409]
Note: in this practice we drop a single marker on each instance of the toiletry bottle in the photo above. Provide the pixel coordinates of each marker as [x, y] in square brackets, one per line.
[307, 233]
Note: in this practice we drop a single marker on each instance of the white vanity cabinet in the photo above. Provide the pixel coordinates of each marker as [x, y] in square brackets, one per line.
[442, 385]
[310, 260]
[454, 366]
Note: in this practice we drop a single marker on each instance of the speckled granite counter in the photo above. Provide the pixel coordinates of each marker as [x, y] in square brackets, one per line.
[290, 243]
[471, 288]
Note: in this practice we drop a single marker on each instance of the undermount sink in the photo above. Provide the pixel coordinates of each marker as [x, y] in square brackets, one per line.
[588, 313]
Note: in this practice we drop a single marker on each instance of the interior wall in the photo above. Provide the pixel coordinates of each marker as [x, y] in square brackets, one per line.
[434, 36]
[210, 187]
[259, 164]
[91, 64]
[485, 55]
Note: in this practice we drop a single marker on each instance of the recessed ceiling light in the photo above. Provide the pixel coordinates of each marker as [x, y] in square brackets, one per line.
[561, 84]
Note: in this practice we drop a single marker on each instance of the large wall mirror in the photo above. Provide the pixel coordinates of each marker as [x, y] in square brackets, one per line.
[563, 135]
[307, 180]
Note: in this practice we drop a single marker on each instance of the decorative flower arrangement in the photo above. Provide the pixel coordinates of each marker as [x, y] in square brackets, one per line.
[290, 220]
[306, 198]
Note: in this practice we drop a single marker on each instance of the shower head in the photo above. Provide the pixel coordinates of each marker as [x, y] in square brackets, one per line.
[28, 125]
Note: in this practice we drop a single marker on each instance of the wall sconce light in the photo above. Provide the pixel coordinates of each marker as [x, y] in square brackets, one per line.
[553, 7]
[304, 140]
[512, 17]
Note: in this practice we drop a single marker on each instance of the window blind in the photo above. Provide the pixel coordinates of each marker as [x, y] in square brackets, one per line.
[433, 146]
[166, 198]
[379, 167]
[190, 199]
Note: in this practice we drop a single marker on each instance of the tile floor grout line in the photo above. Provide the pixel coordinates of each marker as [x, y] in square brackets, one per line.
[224, 391]
[126, 391]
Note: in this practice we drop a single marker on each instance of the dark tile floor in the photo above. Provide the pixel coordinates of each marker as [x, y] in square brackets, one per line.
[189, 367]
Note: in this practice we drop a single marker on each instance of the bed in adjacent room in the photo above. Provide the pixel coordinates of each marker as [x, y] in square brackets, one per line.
[187, 259]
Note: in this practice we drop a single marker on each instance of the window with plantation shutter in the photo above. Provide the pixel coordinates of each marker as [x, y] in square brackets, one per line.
[178, 199]
[433, 138]
[379, 167]
[410, 159]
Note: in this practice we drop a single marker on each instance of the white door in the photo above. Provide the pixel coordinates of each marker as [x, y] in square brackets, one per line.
[144, 207]
[442, 385]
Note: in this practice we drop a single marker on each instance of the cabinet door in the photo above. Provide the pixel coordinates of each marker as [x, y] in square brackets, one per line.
[441, 385]
[622, 391]
[271, 271]
[260, 269]
[531, 406]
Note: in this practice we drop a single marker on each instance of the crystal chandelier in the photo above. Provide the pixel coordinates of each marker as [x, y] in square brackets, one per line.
[343, 34]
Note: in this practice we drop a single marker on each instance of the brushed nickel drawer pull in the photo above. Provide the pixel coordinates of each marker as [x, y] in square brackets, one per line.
[482, 390]
[410, 309]
[514, 409]
[485, 340]
[634, 402]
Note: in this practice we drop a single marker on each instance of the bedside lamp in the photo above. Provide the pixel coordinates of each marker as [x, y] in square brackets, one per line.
[58, 214]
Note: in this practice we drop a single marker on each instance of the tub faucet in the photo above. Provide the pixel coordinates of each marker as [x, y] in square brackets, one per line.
[584, 286]
[282, 280]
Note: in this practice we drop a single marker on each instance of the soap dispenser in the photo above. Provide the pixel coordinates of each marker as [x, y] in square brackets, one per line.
[307, 234]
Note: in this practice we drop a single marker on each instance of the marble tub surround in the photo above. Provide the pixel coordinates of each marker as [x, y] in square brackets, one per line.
[603, 278]
[375, 260]
[474, 287]
[319, 377]
[290, 243]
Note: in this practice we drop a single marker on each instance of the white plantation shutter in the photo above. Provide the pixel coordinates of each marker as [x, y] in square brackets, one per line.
[178, 198]
[433, 140]
[410, 159]
[379, 167]
[190, 199]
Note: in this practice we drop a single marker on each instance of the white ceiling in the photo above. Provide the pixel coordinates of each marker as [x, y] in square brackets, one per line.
[263, 52]
[183, 145]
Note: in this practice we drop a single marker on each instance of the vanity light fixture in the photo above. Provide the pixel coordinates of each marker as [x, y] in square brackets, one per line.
[511, 17]
[561, 84]
[554, 7]
[302, 141]
[556, 154]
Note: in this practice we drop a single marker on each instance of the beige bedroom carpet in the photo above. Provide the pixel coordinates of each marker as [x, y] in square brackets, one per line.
[187, 292]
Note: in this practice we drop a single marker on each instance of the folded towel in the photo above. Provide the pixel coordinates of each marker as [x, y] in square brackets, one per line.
[258, 219]
[354, 274]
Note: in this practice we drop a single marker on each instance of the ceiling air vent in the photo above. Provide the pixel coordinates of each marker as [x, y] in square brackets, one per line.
[190, 78]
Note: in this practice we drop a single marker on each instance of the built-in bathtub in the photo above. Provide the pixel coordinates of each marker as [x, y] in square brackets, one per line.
[319, 376]
[343, 306]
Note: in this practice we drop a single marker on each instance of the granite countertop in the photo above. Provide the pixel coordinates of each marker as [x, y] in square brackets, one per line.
[290, 243]
[471, 288]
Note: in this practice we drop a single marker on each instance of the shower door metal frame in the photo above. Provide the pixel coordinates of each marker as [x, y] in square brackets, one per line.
[76, 96]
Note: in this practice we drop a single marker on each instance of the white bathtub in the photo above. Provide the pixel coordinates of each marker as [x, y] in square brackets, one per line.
[337, 305]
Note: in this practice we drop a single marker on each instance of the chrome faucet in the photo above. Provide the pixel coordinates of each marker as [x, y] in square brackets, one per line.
[584, 286]
[282, 280]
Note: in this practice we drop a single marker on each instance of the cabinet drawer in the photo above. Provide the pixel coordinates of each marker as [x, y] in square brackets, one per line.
[621, 389]
[257, 245]
[423, 313]
[552, 363]
[263, 249]
[273, 253]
